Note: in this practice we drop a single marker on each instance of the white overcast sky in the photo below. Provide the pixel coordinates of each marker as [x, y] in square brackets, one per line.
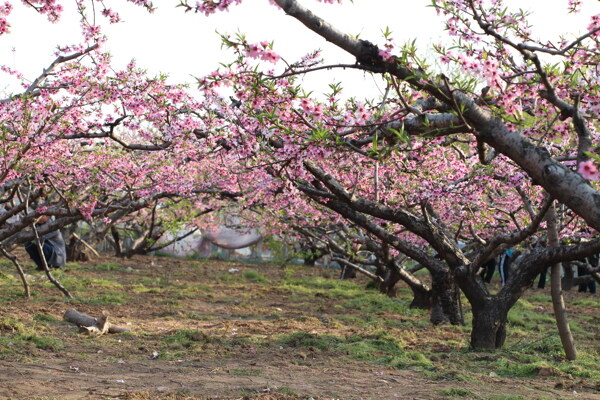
[186, 45]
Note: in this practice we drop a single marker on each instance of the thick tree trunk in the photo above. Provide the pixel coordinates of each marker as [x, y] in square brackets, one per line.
[347, 272]
[311, 256]
[489, 325]
[394, 273]
[445, 297]
[390, 278]
[117, 238]
[567, 281]
[309, 261]
[421, 299]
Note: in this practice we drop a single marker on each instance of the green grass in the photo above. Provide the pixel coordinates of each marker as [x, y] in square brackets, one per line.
[86, 284]
[379, 347]
[286, 390]
[45, 343]
[587, 302]
[15, 335]
[105, 299]
[108, 266]
[323, 283]
[526, 315]
[457, 393]
[44, 318]
[255, 277]
[246, 372]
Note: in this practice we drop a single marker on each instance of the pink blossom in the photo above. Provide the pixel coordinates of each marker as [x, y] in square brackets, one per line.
[112, 16]
[588, 170]
[270, 56]
[385, 54]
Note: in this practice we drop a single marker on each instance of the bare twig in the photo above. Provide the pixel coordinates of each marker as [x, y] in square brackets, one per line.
[15, 261]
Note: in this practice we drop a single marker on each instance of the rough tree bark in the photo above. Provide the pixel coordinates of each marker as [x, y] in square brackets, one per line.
[489, 324]
[445, 296]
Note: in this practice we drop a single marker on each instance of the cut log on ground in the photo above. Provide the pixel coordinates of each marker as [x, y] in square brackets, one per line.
[90, 325]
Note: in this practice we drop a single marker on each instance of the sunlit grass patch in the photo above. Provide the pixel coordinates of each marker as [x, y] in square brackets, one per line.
[45, 342]
[526, 315]
[378, 347]
[548, 345]
[322, 283]
[505, 397]
[15, 337]
[593, 301]
[85, 283]
[45, 318]
[5, 276]
[187, 338]
[105, 299]
[586, 365]
[457, 393]
[246, 372]
[108, 266]
[254, 277]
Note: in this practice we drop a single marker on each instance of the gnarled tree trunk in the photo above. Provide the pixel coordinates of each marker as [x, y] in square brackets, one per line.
[489, 324]
[445, 297]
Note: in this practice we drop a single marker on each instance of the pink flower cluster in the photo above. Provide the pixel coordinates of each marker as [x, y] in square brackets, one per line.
[112, 16]
[309, 107]
[5, 9]
[86, 210]
[588, 170]
[386, 52]
[48, 7]
[574, 6]
[263, 51]
[208, 7]
[595, 24]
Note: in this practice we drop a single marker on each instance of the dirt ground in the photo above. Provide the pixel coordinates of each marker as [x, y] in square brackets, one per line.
[222, 359]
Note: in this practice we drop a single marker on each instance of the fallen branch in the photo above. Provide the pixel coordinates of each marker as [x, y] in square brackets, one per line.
[90, 325]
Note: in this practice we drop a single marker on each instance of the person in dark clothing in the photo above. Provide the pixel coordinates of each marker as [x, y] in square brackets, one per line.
[488, 269]
[542, 281]
[53, 246]
[582, 271]
[504, 265]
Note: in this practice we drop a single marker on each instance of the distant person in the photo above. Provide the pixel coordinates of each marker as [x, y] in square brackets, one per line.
[488, 269]
[505, 262]
[583, 271]
[542, 282]
[544, 274]
[53, 245]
